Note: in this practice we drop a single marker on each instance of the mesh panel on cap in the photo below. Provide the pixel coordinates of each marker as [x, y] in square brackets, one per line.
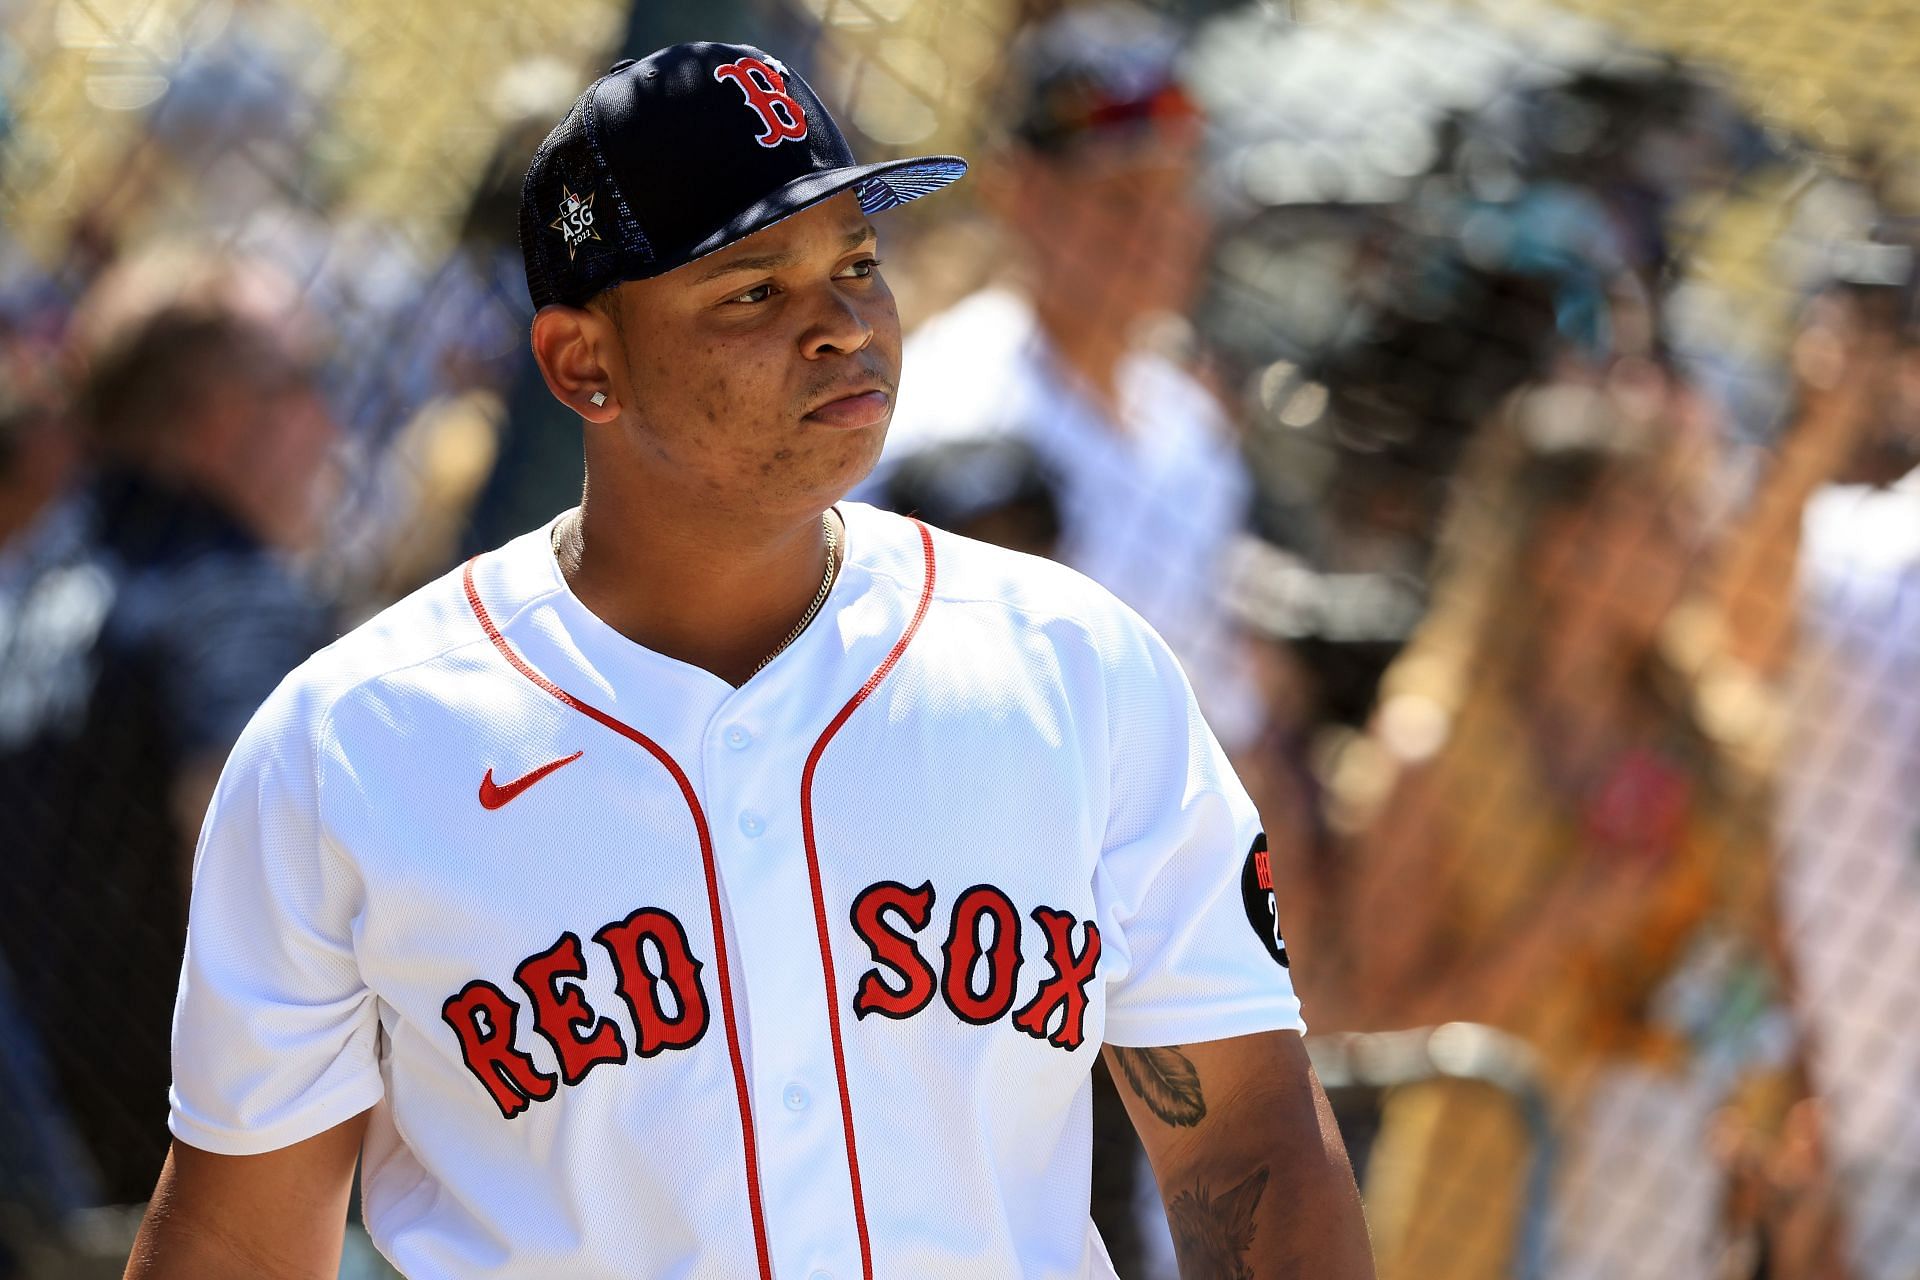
[567, 162]
[534, 249]
[633, 240]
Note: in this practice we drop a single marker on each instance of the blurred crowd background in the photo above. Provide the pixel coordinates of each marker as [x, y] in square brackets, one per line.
[1509, 410]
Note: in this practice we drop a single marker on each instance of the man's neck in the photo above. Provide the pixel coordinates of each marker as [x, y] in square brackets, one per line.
[1091, 345]
[719, 594]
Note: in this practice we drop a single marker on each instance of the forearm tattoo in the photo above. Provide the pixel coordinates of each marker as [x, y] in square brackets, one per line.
[1165, 1080]
[1212, 1235]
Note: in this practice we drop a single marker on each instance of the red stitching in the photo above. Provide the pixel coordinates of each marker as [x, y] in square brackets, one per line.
[713, 899]
[819, 900]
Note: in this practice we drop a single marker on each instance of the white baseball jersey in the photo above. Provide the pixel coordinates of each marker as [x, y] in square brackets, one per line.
[645, 974]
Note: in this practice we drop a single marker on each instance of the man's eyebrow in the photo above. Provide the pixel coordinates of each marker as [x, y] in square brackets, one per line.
[757, 262]
[772, 261]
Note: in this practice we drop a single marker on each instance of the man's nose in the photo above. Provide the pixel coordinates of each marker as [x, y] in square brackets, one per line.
[836, 328]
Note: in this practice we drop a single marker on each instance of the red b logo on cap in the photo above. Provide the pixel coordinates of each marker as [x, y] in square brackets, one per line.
[766, 93]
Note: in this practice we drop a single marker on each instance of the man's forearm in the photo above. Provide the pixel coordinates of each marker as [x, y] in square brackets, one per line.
[1254, 1174]
[274, 1216]
[174, 1251]
[1273, 1219]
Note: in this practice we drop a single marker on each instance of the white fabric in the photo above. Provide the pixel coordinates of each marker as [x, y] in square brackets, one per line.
[1034, 736]
[1851, 850]
[1149, 504]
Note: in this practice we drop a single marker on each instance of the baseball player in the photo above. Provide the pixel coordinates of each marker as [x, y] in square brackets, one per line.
[726, 880]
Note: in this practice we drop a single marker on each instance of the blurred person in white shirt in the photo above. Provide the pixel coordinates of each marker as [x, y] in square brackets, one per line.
[1097, 190]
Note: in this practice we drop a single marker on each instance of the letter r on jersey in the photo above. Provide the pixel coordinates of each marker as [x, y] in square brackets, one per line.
[483, 1017]
[782, 118]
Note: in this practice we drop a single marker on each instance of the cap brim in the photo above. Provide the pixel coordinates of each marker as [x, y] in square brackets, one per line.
[886, 185]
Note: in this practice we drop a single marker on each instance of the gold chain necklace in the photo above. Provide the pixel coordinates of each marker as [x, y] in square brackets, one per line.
[560, 532]
[819, 597]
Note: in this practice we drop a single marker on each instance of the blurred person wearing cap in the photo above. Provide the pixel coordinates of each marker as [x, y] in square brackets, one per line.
[781, 744]
[1098, 189]
[142, 634]
[44, 1175]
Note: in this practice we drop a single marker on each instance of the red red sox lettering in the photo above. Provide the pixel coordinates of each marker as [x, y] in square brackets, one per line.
[667, 1003]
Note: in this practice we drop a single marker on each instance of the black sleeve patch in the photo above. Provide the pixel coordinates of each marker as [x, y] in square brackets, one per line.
[1256, 892]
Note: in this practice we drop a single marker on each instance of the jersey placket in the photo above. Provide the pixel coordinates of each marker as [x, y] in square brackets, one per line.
[784, 913]
[753, 783]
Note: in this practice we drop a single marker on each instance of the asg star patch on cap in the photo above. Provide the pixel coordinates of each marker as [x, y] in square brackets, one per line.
[575, 223]
[1256, 893]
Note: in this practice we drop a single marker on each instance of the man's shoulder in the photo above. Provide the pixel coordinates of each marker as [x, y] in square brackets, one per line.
[962, 371]
[995, 318]
[984, 367]
[433, 624]
[1861, 528]
[1167, 395]
[1861, 545]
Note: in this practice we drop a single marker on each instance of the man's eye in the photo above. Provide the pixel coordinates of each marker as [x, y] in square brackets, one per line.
[860, 270]
[759, 293]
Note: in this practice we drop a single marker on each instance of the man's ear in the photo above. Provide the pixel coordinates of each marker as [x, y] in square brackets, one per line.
[577, 350]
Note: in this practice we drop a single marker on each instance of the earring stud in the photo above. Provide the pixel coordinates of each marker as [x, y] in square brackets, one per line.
[599, 399]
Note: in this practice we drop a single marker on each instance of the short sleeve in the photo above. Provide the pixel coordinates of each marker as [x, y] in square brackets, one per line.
[274, 1033]
[1185, 866]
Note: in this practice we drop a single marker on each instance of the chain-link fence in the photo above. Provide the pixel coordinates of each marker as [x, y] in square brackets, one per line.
[1509, 412]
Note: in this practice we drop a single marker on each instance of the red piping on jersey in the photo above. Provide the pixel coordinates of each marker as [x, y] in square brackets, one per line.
[819, 899]
[713, 902]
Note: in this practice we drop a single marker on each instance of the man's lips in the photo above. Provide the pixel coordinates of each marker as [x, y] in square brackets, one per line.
[861, 409]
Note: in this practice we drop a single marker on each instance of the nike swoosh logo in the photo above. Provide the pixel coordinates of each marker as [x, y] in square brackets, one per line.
[493, 795]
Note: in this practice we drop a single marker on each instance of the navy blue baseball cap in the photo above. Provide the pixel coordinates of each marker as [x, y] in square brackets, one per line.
[672, 156]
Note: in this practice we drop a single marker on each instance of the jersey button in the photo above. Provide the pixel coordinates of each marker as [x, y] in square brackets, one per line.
[752, 823]
[795, 1097]
[738, 738]
[821, 1275]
